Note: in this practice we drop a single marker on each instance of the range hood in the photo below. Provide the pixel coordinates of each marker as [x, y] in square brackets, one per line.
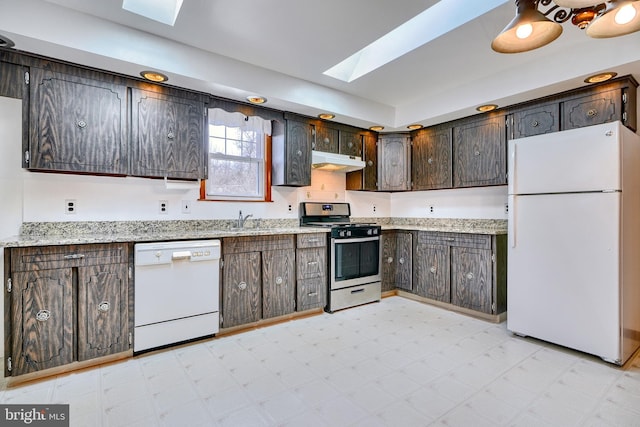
[335, 162]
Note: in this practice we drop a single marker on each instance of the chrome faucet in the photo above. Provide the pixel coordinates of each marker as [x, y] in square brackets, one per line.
[242, 220]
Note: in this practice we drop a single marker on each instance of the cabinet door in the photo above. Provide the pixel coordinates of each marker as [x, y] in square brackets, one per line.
[312, 293]
[479, 151]
[42, 321]
[77, 124]
[103, 320]
[278, 282]
[241, 282]
[594, 109]
[367, 178]
[396, 261]
[325, 139]
[298, 154]
[431, 159]
[471, 278]
[167, 136]
[432, 272]
[393, 163]
[536, 120]
[350, 143]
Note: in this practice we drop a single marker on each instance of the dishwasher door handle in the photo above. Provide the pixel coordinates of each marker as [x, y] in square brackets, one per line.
[181, 255]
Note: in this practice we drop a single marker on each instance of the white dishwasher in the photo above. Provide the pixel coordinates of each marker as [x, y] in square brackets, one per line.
[176, 292]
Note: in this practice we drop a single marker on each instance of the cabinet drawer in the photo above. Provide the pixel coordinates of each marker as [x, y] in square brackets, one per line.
[482, 241]
[232, 245]
[311, 262]
[312, 240]
[312, 293]
[50, 257]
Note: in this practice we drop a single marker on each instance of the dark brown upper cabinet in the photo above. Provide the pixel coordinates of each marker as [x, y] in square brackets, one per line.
[291, 155]
[325, 138]
[367, 178]
[431, 150]
[350, 143]
[76, 124]
[534, 120]
[167, 136]
[479, 152]
[394, 162]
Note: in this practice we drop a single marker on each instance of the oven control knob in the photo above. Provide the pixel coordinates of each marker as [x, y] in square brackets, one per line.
[369, 232]
[375, 231]
[348, 232]
[341, 233]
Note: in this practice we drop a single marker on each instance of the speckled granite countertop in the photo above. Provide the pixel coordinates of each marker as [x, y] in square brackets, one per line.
[69, 233]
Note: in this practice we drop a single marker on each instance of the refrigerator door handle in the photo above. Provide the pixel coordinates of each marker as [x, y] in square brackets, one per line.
[513, 175]
[511, 221]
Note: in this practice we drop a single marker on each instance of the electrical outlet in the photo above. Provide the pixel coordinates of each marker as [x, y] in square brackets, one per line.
[186, 206]
[290, 208]
[163, 207]
[374, 208]
[70, 206]
[506, 208]
[431, 209]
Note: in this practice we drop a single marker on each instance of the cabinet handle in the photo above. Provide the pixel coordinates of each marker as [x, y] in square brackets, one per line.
[43, 315]
[429, 160]
[469, 276]
[326, 140]
[401, 260]
[299, 153]
[592, 112]
[350, 145]
[312, 263]
[313, 240]
[81, 124]
[242, 286]
[313, 145]
[477, 153]
[171, 135]
[433, 270]
[449, 239]
[103, 306]
[279, 280]
[74, 256]
[534, 124]
[370, 163]
[389, 260]
[312, 294]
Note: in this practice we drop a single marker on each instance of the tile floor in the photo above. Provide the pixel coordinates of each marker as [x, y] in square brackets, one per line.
[393, 363]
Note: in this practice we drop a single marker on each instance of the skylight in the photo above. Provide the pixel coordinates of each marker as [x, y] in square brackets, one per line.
[439, 19]
[165, 11]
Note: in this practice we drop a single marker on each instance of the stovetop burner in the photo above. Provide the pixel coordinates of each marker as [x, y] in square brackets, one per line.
[337, 217]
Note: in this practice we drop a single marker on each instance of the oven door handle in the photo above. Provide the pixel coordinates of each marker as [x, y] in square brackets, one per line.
[355, 240]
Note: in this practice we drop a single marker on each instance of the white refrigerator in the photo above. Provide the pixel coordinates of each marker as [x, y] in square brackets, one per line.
[573, 275]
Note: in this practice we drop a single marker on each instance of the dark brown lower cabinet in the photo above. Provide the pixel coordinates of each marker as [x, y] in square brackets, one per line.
[241, 289]
[465, 270]
[311, 271]
[67, 303]
[396, 263]
[278, 283]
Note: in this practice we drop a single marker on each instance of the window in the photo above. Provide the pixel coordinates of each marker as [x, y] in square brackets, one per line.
[238, 157]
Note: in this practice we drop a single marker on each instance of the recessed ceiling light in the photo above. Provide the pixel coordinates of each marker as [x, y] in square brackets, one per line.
[414, 126]
[326, 116]
[154, 76]
[376, 128]
[165, 11]
[255, 99]
[486, 107]
[602, 77]
[6, 42]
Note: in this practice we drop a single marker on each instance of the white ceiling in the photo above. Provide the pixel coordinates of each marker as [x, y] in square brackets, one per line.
[280, 48]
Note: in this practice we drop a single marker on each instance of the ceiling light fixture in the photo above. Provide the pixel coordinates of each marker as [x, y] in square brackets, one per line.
[601, 77]
[376, 128]
[414, 126]
[486, 107]
[6, 42]
[154, 76]
[531, 28]
[326, 116]
[255, 99]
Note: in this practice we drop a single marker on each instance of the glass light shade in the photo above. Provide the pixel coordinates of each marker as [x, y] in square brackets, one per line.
[620, 18]
[577, 4]
[529, 30]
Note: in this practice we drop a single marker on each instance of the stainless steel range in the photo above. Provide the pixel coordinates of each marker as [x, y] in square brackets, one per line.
[354, 255]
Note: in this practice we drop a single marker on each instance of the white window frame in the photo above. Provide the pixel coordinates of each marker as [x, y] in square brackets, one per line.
[218, 117]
